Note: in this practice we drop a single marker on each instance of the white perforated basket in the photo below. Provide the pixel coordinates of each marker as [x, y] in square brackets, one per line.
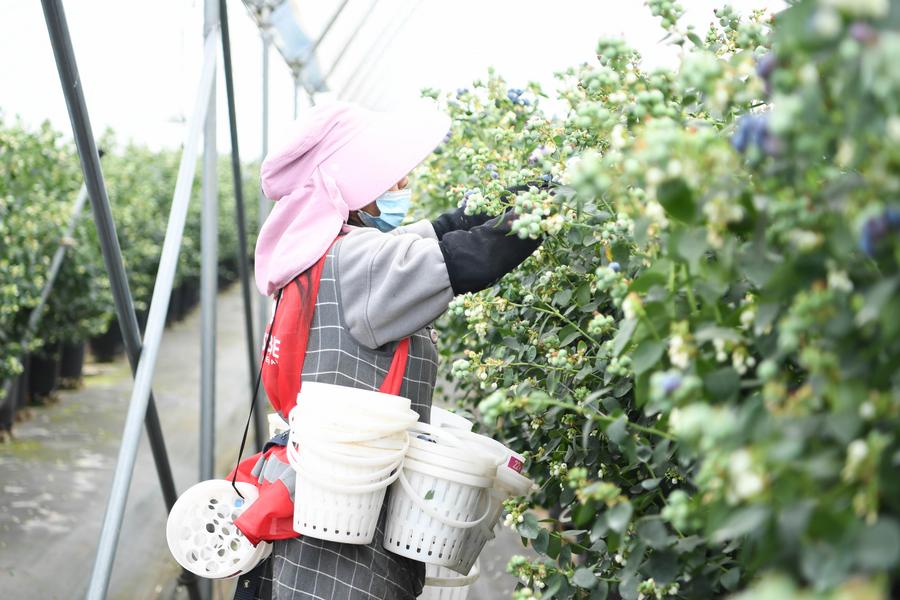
[431, 509]
[443, 584]
[201, 533]
[340, 487]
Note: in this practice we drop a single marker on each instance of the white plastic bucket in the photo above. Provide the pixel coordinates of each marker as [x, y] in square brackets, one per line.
[201, 534]
[431, 509]
[442, 583]
[441, 417]
[346, 446]
[327, 507]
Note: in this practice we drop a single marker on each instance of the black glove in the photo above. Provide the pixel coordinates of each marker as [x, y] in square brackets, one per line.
[479, 257]
[457, 220]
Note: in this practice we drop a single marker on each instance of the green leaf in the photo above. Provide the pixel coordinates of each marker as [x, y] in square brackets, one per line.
[878, 547]
[529, 528]
[619, 515]
[623, 336]
[554, 583]
[583, 294]
[730, 578]
[567, 335]
[652, 531]
[541, 542]
[647, 355]
[723, 383]
[677, 198]
[562, 297]
[616, 430]
[740, 523]
[646, 280]
[584, 578]
[691, 245]
[876, 298]
[429, 494]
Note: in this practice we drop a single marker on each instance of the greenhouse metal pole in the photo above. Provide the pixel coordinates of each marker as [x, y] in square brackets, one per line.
[334, 17]
[372, 55]
[67, 68]
[159, 304]
[243, 266]
[264, 203]
[209, 270]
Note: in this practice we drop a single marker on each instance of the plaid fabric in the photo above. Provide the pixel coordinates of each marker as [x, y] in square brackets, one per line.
[305, 568]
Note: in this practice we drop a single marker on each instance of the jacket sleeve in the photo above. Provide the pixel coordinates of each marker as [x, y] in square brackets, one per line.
[391, 285]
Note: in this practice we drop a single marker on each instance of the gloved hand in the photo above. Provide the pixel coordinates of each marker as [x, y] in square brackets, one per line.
[457, 220]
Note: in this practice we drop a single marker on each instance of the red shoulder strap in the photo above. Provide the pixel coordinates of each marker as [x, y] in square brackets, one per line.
[290, 335]
[394, 378]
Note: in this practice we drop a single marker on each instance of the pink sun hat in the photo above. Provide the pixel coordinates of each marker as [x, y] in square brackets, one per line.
[338, 157]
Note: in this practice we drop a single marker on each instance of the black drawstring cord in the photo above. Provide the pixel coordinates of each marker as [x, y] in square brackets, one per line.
[255, 396]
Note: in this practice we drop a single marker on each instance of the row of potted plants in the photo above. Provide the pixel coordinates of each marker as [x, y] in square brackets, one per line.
[38, 187]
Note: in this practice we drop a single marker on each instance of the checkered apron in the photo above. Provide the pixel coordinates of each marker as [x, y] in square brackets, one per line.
[306, 568]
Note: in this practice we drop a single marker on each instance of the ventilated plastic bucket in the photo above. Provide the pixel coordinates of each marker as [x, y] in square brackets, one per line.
[327, 507]
[430, 510]
[201, 534]
[346, 446]
[442, 583]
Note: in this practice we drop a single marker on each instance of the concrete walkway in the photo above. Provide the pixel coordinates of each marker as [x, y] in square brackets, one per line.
[55, 475]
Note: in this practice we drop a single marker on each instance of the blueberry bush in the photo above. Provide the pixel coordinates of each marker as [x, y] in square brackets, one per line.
[701, 360]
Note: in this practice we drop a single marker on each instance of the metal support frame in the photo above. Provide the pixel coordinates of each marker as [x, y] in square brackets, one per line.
[141, 407]
[376, 50]
[260, 428]
[58, 29]
[264, 203]
[209, 271]
[352, 37]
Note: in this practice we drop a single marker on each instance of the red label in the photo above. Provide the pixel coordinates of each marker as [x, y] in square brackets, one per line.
[515, 464]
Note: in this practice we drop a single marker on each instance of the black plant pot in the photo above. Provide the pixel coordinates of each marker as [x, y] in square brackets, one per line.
[71, 365]
[8, 405]
[176, 311]
[191, 293]
[45, 367]
[22, 389]
[184, 293]
[106, 346]
[142, 320]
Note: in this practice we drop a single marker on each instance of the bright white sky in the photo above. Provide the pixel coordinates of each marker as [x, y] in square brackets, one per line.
[139, 61]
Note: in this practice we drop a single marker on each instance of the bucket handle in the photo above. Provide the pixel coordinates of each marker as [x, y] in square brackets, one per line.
[450, 582]
[428, 510]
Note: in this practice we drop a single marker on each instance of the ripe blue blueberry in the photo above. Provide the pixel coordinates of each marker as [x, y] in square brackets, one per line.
[863, 32]
[615, 267]
[670, 382]
[876, 228]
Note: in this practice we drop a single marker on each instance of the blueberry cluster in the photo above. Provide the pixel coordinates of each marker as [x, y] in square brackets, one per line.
[877, 228]
[515, 96]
